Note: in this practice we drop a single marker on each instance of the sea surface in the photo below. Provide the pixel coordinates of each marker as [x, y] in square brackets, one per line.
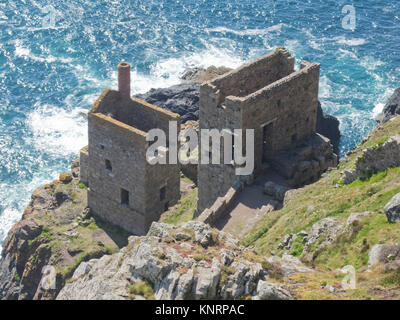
[57, 56]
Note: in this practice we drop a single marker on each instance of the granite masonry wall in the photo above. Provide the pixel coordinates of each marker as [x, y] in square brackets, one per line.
[124, 188]
[264, 94]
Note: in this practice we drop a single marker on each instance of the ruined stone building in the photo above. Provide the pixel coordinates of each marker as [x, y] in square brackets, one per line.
[124, 188]
[280, 104]
[267, 95]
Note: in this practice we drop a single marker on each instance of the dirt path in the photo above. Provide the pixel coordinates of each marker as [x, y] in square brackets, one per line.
[246, 210]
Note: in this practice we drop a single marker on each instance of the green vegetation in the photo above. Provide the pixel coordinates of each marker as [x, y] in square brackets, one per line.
[82, 185]
[17, 277]
[183, 211]
[226, 271]
[328, 198]
[143, 288]
[297, 246]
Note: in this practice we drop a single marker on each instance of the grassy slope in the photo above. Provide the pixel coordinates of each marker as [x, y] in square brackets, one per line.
[329, 198]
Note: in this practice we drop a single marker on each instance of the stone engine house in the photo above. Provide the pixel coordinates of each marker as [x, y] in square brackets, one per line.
[124, 188]
[280, 104]
[267, 95]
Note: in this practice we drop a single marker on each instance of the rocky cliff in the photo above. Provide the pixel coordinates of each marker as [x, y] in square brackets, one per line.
[391, 108]
[192, 261]
[302, 251]
[56, 230]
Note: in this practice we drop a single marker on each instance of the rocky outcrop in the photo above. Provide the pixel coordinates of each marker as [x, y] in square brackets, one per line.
[392, 209]
[192, 261]
[392, 107]
[54, 235]
[322, 234]
[182, 99]
[378, 158]
[384, 253]
[328, 126]
[304, 161]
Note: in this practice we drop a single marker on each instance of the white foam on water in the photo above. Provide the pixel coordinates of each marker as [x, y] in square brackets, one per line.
[377, 110]
[167, 72]
[8, 218]
[350, 42]
[58, 131]
[248, 32]
[24, 52]
[325, 86]
[370, 63]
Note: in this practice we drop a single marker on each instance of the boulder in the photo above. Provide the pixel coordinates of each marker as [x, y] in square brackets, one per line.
[65, 177]
[392, 209]
[384, 253]
[269, 291]
[392, 107]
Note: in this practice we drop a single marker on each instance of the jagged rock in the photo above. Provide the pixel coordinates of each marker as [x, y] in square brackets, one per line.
[175, 271]
[328, 126]
[392, 107]
[392, 209]
[289, 265]
[182, 99]
[330, 228]
[65, 177]
[269, 291]
[200, 75]
[75, 168]
[383, 253]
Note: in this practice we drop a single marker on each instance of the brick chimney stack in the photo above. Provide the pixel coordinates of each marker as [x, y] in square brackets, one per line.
[124, 79]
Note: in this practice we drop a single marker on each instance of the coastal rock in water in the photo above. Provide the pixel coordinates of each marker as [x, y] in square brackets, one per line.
[392, 209]
[159, 265]
[182, 99]
[328, 126]
[392, 107]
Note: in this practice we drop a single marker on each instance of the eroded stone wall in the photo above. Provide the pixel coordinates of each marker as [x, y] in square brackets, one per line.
[124, 188]
[266, 91]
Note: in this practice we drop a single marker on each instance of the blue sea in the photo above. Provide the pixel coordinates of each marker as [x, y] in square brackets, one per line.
[57, 56]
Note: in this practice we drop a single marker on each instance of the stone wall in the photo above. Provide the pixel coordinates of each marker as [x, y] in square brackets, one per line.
[264, 92]
[221, 205]
[289, 105]
[375, 159]
[84, 165]
[124, 188]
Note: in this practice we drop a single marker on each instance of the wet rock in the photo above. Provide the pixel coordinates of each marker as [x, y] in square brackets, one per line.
[328, 126]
